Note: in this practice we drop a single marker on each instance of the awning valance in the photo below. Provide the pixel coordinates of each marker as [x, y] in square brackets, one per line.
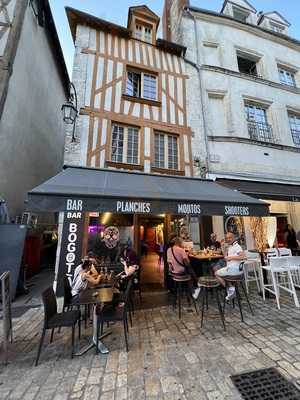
[264, 190]
[102, 190]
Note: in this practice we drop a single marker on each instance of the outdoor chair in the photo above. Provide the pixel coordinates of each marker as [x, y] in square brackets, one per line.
[252, 270]
[294, 266]
[181, 286]
[113, 313]
[210, 284]
[280, 273]
[53, 319]
[238, 282]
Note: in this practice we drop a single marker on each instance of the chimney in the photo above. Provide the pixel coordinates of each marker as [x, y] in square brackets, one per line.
[171, 7]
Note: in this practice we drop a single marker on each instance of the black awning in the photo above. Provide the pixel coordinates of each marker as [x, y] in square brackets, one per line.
[265, 190]
[102, 190]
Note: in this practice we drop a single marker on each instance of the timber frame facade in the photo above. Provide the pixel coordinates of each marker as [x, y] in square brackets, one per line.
[105, 53]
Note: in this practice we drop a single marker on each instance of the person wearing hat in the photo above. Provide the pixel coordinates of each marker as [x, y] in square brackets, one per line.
[85, 275]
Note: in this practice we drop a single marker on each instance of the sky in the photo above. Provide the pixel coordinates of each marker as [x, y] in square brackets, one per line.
[116, 11]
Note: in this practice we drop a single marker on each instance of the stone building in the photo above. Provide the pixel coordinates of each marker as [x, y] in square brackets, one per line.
[34, 84]
[243, 100]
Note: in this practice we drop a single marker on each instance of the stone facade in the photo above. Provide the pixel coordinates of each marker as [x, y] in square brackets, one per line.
[214, 42]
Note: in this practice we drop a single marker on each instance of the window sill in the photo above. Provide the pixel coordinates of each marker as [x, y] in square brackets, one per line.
[133, 167]
[141, 100]
[167, 171]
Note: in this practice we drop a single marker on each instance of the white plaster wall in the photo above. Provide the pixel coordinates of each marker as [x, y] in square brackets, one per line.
[31, 127]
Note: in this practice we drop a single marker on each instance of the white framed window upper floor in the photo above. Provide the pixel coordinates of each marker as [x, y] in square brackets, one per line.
[294, 121]
[143, 31]
[276, 27]
[142, 85]
[257, 121]
[249, 62]
[166, 151]
[287, 76]
[125, 144]
[240, 14]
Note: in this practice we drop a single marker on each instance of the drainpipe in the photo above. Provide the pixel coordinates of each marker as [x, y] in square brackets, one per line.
[198, 68]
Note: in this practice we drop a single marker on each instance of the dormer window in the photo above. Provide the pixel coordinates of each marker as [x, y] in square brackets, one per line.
[276, 28]
[240, 14]
[143, 32]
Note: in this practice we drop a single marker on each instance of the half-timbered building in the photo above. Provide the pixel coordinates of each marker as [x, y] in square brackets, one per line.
[132, 95]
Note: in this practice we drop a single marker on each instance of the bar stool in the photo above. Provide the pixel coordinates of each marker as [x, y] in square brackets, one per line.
[236, 281]
[209, 283]
[180, 286]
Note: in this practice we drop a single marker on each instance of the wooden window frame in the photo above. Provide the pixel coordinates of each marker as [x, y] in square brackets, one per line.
[142, 71]
[166, 169]
[124, 161]
[144, 25]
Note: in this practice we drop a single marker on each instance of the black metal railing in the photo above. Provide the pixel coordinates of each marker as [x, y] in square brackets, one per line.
[296, 137]
[260, 131]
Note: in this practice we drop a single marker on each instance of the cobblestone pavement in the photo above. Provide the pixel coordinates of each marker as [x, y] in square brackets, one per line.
[168, 359]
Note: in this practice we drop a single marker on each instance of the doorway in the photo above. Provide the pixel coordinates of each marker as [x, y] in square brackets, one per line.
[151, 247]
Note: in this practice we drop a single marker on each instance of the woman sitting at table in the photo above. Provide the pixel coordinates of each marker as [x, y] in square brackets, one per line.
[85, 275]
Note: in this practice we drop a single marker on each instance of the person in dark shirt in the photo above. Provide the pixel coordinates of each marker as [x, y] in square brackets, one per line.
[290, 238]
[214, 244]
[129, 256]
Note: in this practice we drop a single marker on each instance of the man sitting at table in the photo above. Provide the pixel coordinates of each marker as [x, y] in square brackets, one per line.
[233, 257]
[179, 264]
[85, 275]
[213, 243]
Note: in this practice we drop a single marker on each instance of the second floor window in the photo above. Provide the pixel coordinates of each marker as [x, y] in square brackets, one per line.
[294, 120]
[166, 151]
[247, 65]
[258, 127]
[240, 15]
[125, 144]
[142, 85]
[286, 77]
[143, 32]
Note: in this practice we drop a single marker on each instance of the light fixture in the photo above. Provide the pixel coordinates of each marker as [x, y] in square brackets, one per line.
[70, 110]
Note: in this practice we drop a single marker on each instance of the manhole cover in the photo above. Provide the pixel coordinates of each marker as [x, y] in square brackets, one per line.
[265, 384]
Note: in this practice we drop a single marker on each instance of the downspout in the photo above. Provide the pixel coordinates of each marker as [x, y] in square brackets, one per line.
[198, 68]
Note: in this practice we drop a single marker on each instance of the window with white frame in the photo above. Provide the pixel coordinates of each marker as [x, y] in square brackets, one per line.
[240, 14]
[286, 76]
[258, 127]
[294, 120]
[143, 32]
[276, 28]
[125, 144]
[142, 85]
[166, 151]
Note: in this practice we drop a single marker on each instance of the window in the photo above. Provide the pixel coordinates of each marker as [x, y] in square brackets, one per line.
[286, 77]
[258, 127]
[240, 15]
[294, 120]
[247, 65]
[166, 151]
[125, 144]
[143, 32]
[276, 28]
[142, 85]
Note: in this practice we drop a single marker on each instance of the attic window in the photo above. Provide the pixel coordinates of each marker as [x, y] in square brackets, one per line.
[143, 32]
[247, 65]
[240, 15]
[276, 28]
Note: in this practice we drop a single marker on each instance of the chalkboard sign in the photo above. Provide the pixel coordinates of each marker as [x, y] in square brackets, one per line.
[6, 311]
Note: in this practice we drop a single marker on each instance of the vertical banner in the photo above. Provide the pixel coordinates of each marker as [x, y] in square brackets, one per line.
[71, 247]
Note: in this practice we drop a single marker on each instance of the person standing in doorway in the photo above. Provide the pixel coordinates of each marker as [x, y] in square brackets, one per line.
[290, 238]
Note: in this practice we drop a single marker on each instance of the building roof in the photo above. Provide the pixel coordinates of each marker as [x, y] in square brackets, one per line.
[268, 14]
[228, 17]
[143, 9]
[76, 17]
[47, 21]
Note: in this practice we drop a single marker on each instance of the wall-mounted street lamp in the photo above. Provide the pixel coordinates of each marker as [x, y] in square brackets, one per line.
[70, 110]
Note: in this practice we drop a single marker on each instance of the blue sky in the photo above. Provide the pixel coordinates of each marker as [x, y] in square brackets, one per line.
[116, 11]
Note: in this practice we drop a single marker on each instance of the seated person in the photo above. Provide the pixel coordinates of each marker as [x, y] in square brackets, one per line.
[213, 243]
[235, 255]
[179, 264]
[129, 255]
[85, 275]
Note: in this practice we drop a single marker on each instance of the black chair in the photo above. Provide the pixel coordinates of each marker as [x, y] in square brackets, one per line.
[53, 319]
[238, 281]
[113, 313]
[181, 286]
[210, 284]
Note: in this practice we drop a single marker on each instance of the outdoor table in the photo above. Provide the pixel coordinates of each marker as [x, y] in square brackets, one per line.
[205, 259]
[94, 297]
